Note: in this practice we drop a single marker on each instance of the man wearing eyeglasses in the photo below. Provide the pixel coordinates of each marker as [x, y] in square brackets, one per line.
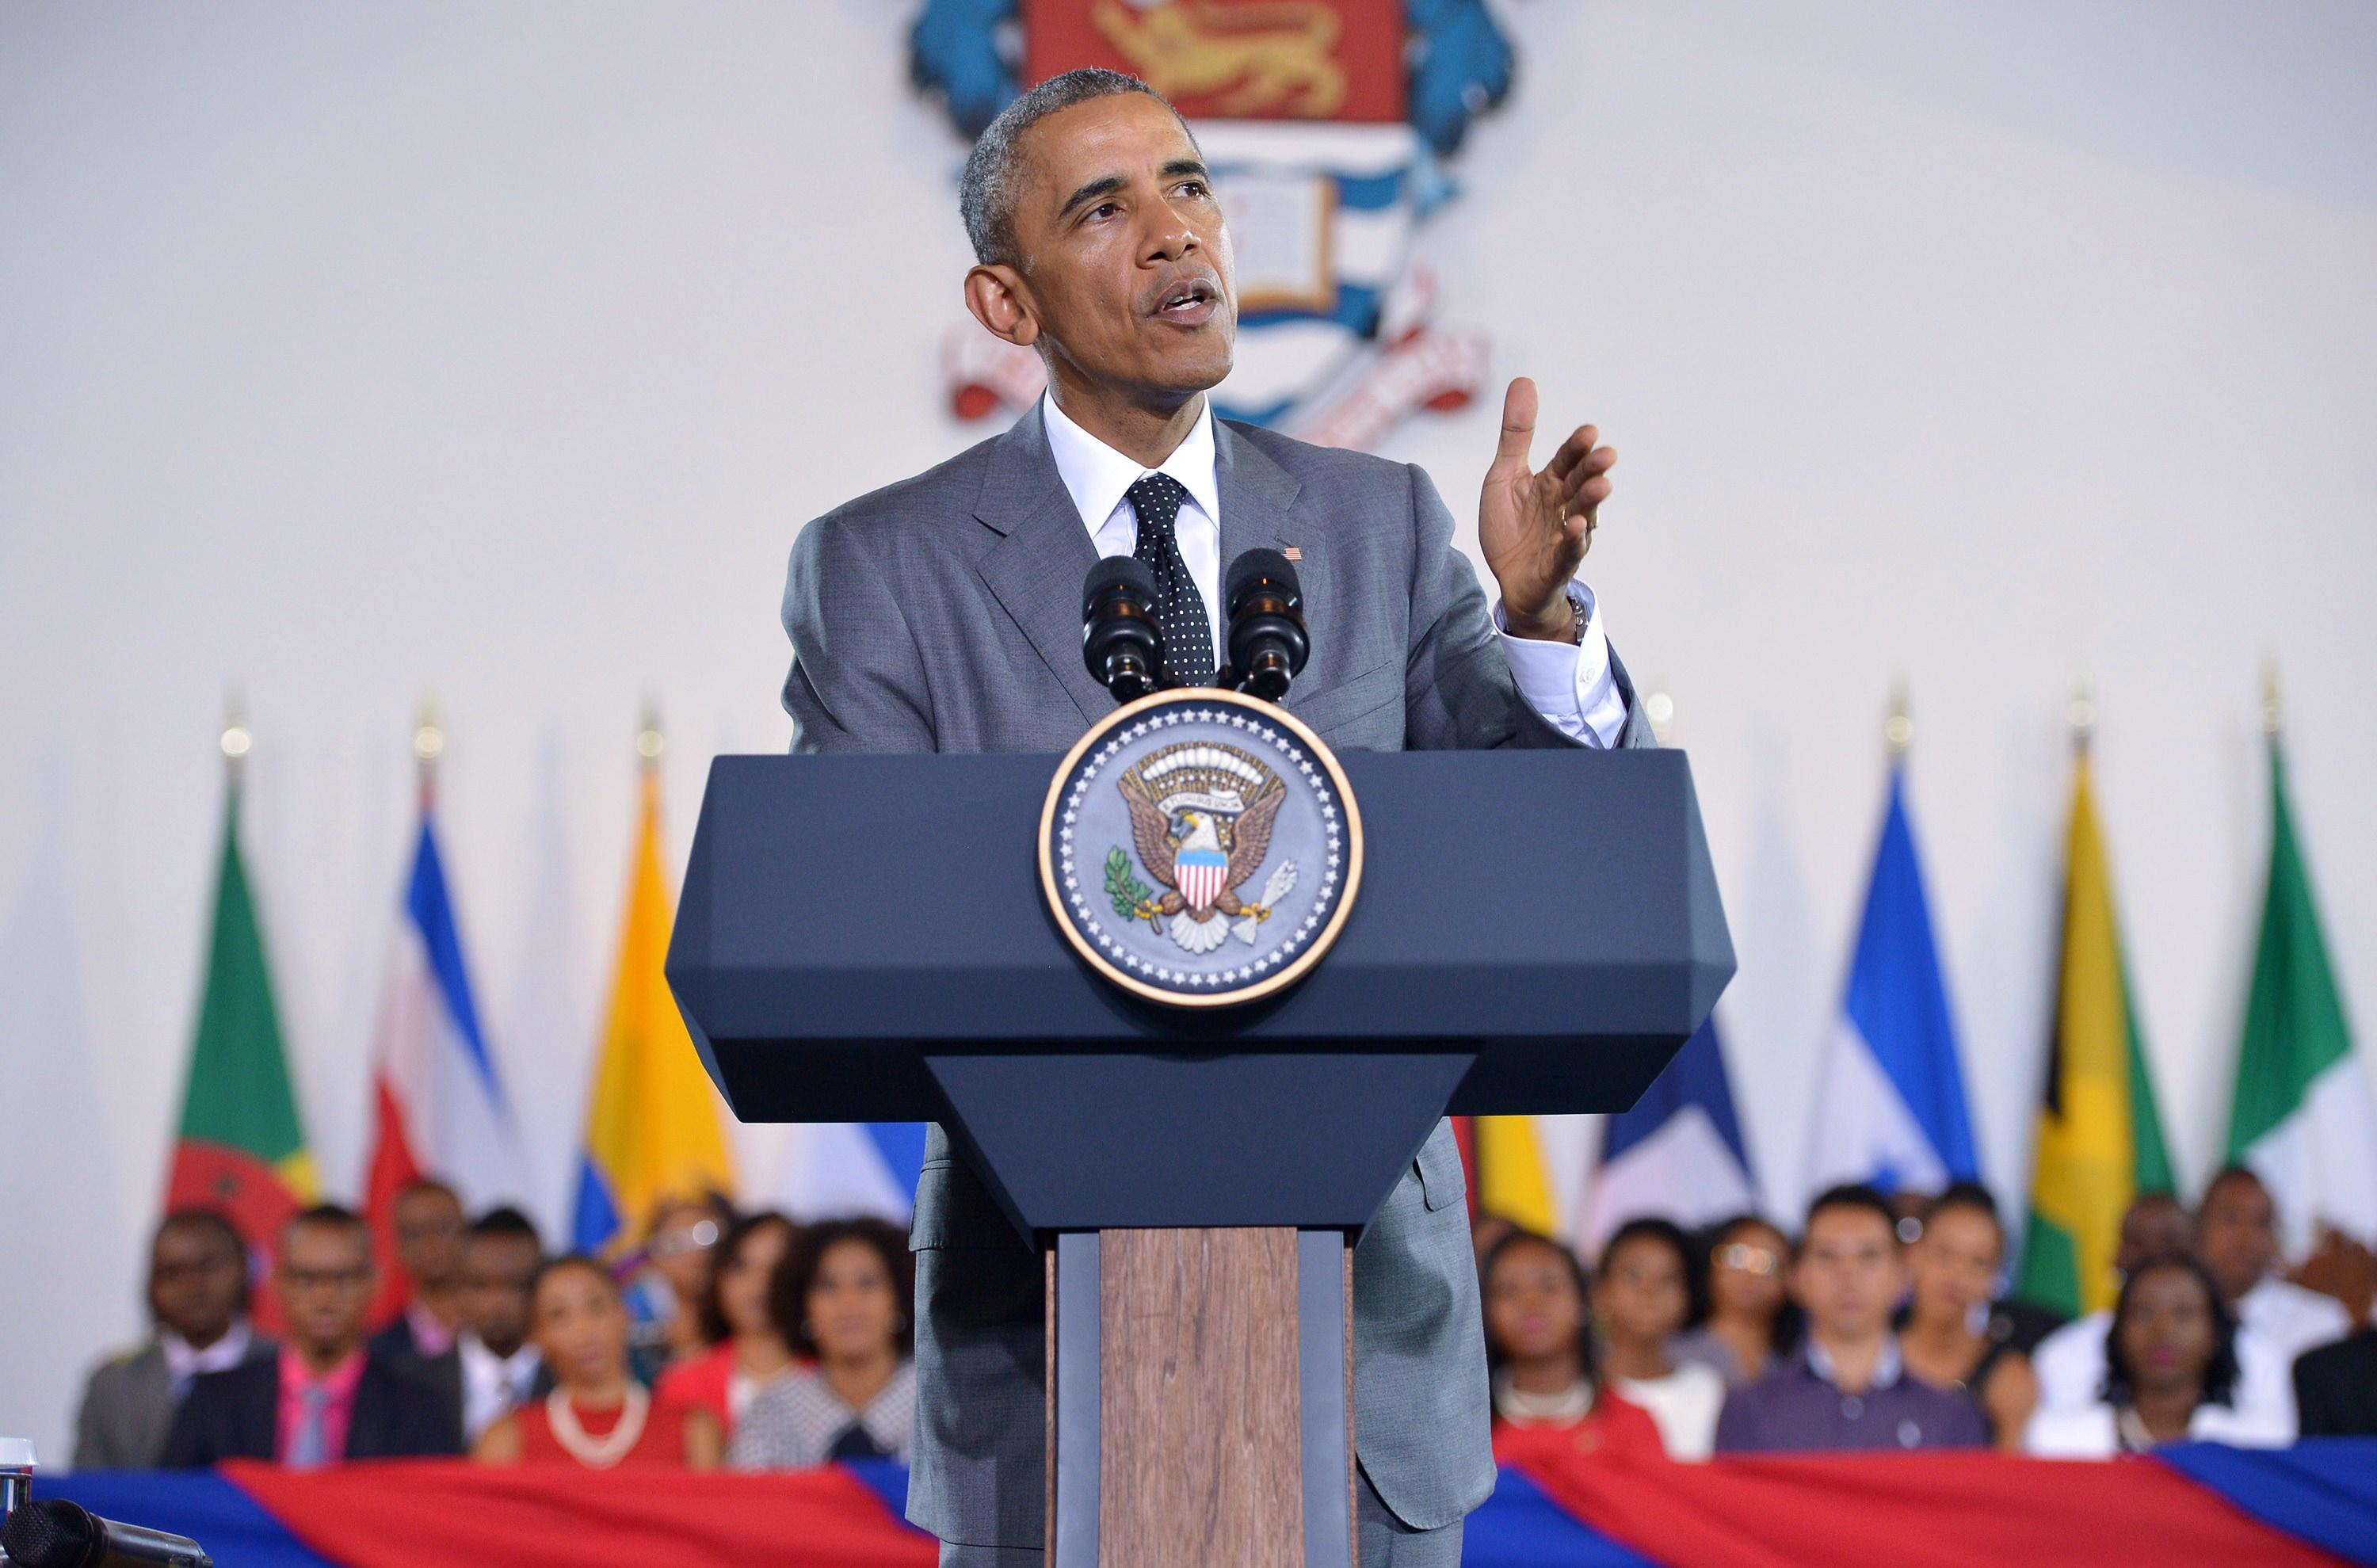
[326, 1398]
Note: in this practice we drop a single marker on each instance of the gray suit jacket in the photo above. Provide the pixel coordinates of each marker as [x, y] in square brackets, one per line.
[128, 1406]
[943, 614]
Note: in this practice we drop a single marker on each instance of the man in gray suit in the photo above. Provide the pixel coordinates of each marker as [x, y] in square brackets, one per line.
[197, 1297]
[943, 614]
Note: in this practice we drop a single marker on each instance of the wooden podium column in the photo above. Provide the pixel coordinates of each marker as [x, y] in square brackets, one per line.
[1200, 1398]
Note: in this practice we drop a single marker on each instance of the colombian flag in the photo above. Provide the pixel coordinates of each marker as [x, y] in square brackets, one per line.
[653, 1127]
[2099, 1141]
[241, 1149]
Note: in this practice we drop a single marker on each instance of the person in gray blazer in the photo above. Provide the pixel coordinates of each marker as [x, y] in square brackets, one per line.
[198, 1302]
[943, 614]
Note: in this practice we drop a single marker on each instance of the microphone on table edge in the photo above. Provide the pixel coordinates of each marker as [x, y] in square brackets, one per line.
[54, 1533]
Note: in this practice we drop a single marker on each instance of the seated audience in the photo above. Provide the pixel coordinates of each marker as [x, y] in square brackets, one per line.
[1539, 1350]
[679, 1254]
[1751, 1320]
[1639, 1299]
[2070, 1363]
[326, 1398]
[429, 1227]
[2335, 1387]
[1845, 1386]
[1950, 1339]
[843, 1297]
[597, 1415]
[198, 1302]
[2237, 1238]
[2171, 1372]
[747, 1353]
[2235, 1235]
[493, 1367]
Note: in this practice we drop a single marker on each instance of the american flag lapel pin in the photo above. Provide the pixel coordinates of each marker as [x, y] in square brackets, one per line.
[1292, 553]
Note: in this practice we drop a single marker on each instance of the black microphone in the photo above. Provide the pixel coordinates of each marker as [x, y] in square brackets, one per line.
[54, 1533]
[1121, 641]
[1268, 642]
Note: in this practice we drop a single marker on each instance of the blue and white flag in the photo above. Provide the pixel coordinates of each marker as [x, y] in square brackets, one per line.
[1889, 1105]
[835, 1170]
[1677, 1153]
[439, 1105]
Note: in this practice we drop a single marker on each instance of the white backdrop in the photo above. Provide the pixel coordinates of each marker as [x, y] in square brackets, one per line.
[349, 354]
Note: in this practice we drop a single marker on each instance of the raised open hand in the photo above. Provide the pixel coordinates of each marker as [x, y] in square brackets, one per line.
[1536, 525]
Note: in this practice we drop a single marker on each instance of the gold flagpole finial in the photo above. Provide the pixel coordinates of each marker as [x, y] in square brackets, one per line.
[2272, 716]
[1660, 709]
[2081, 714]
[649, 742]
[236, 739]
[1898, 729]
[428, 746]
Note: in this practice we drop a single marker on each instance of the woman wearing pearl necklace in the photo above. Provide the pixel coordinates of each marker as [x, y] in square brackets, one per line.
[597, 1415]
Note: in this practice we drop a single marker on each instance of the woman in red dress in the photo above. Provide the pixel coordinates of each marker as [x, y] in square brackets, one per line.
[748, 1351]
[597, 1415]
[1539, 1353]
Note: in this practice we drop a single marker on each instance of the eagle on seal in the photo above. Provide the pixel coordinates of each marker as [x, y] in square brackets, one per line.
[1197, 908]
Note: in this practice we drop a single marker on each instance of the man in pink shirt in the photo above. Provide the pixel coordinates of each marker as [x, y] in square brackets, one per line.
[326, 1398]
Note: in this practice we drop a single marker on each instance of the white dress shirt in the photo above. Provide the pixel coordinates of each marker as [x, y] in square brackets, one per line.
[185, 1361]
[1684, 1406]
[2277, 1321]
[1571, 685]
[2093, 1432]
[493, 1385]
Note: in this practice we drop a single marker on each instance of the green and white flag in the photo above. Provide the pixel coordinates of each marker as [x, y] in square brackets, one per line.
[2302, 1115]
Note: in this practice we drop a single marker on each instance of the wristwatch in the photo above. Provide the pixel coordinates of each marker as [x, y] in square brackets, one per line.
[1576, 602]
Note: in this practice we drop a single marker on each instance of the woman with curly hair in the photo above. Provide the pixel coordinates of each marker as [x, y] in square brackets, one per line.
[746, 1351]
[843, 1297]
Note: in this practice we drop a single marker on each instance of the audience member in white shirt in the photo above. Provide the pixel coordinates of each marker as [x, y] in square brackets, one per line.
[2235, 1233]
[2170, 1373]
[498, 1366]
[1640, 1301]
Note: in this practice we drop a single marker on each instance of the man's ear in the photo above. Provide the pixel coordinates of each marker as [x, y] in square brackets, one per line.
[1001, 301]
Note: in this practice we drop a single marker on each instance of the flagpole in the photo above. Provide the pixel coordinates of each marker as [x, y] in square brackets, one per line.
[649, 742]
[235, 740]
[1660, 708]
[428, 746]
[2272, 716]
[1898, 729]
[2081, 714]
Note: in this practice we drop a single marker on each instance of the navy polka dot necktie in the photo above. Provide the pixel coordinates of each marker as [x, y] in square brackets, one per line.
[1179, 609]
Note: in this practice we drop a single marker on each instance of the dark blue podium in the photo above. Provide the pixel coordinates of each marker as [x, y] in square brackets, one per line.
[862, 938]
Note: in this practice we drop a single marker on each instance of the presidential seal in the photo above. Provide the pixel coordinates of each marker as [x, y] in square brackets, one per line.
[1200, 848]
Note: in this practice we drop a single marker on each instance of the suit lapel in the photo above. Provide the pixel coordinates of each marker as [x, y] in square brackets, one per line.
[1035, 569]
[1258, 498]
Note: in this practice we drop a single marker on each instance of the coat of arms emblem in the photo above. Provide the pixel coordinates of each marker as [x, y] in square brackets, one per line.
[1330, 126]
[1198, 846]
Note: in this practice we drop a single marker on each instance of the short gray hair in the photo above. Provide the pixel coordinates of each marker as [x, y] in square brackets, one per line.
[987, 193]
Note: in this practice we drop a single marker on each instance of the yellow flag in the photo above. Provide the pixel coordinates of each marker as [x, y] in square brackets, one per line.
[655, 1126]
[1511, 1179]
[2099, 1136]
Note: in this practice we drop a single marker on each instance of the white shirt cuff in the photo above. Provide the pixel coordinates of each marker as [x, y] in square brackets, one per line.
[1570, 684]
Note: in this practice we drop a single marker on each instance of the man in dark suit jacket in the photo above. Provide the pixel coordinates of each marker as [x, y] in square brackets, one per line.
[2335, 1387]
[325, 1398]
[943, 614]
[197, 1297]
